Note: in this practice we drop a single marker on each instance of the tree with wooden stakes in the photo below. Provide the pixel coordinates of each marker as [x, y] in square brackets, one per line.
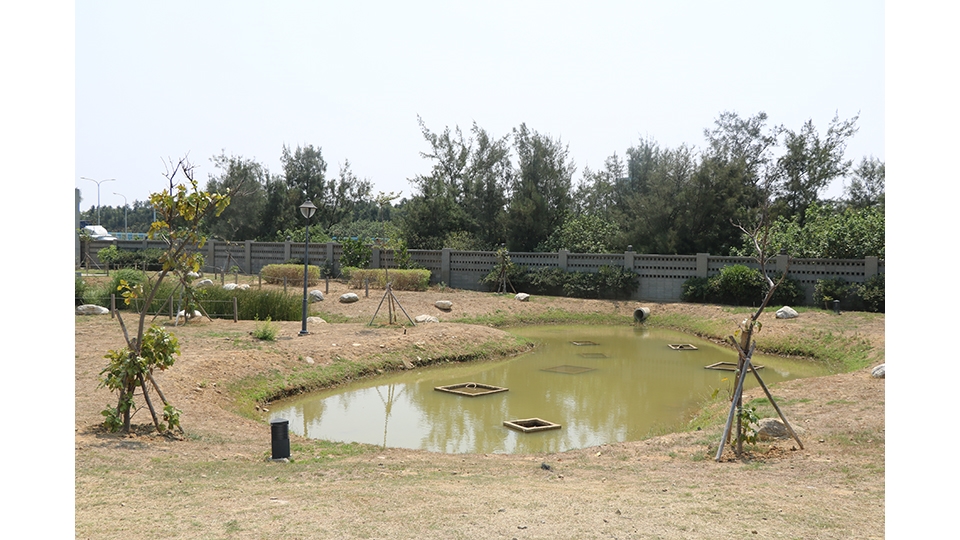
[180, 211]
[748, 328]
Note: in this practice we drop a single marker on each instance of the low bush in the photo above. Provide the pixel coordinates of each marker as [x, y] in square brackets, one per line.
[356, 253]
[403, 280]
[610, 282]
[293, 273]
[740, 285]
[144, 259]
[868, 296]
[825, 291]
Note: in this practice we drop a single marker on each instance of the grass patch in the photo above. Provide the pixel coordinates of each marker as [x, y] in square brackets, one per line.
[840, 352]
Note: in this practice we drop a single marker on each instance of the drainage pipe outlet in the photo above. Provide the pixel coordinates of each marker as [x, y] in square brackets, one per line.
[640, 314]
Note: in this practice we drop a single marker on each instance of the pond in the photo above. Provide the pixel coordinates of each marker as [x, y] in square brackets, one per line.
[600, 384]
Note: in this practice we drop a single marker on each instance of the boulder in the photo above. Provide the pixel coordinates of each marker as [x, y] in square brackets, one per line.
[773, 428]
[193, 275]
[426, 319]
[523, 297]
[316, 296]
[92, 309]
[349, 298]
[244, 286]
[879, 372]
[206, 282]
[230, 286]
[787, 312]
[445, 305]
[186, 315]
[315, 320]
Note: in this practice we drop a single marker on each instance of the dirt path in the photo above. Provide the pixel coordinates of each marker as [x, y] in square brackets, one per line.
[216, 483]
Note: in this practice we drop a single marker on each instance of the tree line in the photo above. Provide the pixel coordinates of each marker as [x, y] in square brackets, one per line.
[517, 190]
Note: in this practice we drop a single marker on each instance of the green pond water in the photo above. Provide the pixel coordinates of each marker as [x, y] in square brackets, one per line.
[601, 384]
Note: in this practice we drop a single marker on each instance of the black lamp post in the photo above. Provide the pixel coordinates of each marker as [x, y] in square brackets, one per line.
[307, 209]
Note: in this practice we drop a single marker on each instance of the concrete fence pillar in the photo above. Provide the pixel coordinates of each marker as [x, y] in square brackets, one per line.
[783, 262]
[375, 258]
[247, 256]
[871, 267]
[703, 260]
[445, 265]
[562, 259]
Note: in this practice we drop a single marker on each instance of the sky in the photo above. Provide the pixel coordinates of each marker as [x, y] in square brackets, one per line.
[156, 81]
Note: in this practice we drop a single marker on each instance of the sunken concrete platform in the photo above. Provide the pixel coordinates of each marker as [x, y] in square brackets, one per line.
[530, 425]
[471, 389]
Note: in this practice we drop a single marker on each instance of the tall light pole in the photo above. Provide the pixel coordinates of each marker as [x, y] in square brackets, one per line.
[98, 192]
[124, 213]
[307, 209]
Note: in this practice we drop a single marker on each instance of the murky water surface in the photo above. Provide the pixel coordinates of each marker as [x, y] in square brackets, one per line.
[601, 384]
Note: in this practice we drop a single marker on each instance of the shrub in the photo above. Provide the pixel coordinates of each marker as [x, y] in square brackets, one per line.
[868, 296]
[738, 285]
[403, 280]
[697, 290]
[788, 293]
[79, 289]
[827, 290]
[546, 281]
[265, 331]
[356, 253]
[275, 273]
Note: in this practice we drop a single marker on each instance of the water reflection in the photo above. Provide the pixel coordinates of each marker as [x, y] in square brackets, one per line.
[627, 384]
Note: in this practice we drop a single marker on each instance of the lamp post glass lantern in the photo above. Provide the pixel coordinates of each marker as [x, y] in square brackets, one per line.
[307, 209]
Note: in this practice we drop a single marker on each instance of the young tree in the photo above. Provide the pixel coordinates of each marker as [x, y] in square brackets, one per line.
[758, 232]
[181, 211]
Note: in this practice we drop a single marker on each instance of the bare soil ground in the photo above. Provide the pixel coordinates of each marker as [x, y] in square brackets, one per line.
[217, 481]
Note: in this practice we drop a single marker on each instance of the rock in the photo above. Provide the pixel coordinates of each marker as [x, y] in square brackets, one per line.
[315, 320]
[92, 309]
[193, 315]
[193, 275]
[308, 360]
[773, 428]
[316, 296]
[787, 312]
[206, 282]
[879, 372]
[523, 297]
[349, 298]
[230, 286]
[244, 286]
[426, 319]
[445, 305]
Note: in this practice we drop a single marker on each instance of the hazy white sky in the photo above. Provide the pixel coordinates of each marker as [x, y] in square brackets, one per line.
[159, 80]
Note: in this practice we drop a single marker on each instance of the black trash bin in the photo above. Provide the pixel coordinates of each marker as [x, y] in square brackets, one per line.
[280, 438]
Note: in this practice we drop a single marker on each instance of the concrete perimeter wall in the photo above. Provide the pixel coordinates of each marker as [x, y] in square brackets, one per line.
[661, 276]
